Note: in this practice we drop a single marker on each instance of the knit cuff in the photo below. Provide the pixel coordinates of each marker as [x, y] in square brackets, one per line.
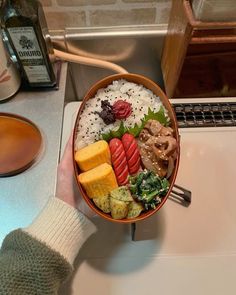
[61, 227]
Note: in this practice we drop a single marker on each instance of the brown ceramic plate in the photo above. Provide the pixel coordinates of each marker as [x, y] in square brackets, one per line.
[138, 79]
[20, 143]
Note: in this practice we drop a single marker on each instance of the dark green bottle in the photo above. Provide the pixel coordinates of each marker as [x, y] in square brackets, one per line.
[24, 26]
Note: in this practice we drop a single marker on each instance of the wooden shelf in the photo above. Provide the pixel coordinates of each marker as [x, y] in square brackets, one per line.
[199, 58]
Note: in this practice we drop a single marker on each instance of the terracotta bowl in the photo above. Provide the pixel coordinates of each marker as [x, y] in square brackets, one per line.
[138, 79]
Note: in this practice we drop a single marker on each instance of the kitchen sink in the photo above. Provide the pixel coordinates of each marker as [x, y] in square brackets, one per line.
[137, 49]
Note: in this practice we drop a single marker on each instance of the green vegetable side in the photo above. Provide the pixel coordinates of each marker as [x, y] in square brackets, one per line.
[148, 188]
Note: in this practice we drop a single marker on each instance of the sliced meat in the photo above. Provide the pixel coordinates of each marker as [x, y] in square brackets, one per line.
[151, 163]
[144, 135]
[171, 166]
[158, 148]
[166, 131]
[154, 127]
[167, 144]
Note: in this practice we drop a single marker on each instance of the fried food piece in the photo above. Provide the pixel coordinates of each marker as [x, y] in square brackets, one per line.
[103, 203]
[121, 193]
[119, 209]
[134, 209]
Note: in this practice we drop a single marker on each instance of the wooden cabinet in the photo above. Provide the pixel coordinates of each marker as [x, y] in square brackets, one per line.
[199, 58]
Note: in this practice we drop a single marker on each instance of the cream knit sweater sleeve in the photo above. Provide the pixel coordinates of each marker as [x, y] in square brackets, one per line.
[37, 259]
[62, 227]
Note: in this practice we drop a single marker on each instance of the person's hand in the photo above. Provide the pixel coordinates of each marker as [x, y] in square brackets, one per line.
[65, 177]
[66, 188]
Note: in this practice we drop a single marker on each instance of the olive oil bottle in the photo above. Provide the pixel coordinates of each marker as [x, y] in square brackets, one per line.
[24, 25]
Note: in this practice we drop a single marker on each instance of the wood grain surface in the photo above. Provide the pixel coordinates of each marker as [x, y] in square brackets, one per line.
[20, 143]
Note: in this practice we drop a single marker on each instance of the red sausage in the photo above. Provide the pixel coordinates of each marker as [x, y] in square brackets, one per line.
[131, 152]
[119, 161]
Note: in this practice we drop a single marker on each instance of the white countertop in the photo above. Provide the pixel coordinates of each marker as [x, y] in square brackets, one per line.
[180, 250]
[23, 196]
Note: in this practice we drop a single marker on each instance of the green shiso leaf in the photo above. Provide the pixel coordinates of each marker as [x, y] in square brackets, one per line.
[119, 132]
[106, 136]
[115, 133]
[137, 128]
[159, 116]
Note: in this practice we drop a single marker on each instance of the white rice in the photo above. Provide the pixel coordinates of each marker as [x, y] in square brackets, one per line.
[91, 126]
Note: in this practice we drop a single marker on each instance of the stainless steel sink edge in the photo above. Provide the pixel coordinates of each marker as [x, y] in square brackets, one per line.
[138, 49]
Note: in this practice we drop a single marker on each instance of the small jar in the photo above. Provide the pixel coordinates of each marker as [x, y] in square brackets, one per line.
[10, 80]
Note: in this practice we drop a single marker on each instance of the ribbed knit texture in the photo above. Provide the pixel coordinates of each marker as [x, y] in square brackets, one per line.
[38, 259]
[62, 227]
[28, 267]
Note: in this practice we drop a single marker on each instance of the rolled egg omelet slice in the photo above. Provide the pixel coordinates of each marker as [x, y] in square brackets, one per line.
[93, 155]
[99, 181]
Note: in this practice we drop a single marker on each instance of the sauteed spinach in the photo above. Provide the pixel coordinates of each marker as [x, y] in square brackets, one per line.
[148, 188]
